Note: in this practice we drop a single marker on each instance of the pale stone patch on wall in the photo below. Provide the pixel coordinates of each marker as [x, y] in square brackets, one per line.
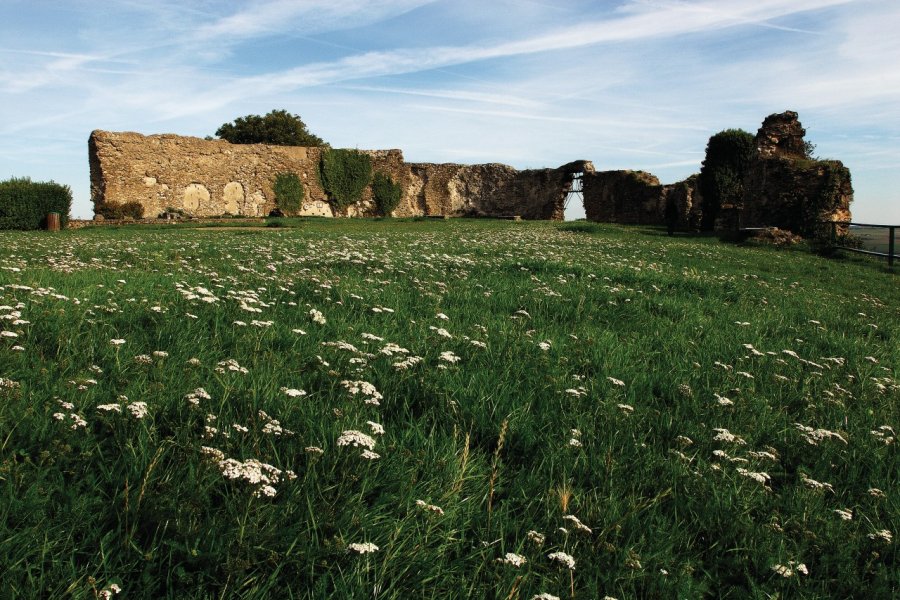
[195, 196]
[233, 197]
[149, 181]
[317, 208]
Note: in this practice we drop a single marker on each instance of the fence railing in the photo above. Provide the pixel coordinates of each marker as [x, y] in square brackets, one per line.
[864, 243]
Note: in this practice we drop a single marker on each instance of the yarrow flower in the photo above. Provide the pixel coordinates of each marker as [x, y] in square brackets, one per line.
[138, 410]
[790, 569]
[883, 535]
[512, 559]
[564, 559]
[534, 536]
[293, 393]
[356, 439]
[449, 356]
[317, 317]
[363, 548]
[577, 524]
[364, 388]
[430, 507]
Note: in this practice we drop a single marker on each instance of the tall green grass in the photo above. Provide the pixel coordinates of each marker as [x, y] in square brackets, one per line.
[602, 373]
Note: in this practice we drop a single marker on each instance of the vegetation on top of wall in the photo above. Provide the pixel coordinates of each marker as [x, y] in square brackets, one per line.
[386, 193]
[25, 204]
[289, 193]
[344, 175]
[119, 210]
[728, 155]
[278, 127]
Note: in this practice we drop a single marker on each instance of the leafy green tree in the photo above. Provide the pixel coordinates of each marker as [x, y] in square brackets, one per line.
[344, 175]
[386, 193]
[728, 155]
[289, 193]
[279, 128]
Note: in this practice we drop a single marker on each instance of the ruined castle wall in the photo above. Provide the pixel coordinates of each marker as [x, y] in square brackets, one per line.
[212, 177]
[201, 177]
[784, 188]
[629, 197]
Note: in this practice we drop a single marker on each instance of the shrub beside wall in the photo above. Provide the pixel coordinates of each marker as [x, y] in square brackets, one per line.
[345, 174]
[289, 193]
[24, 204]
[386, 193]
[120, 210]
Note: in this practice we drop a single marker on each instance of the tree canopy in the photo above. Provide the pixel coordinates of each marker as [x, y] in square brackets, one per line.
[728, 155]
[279, 128]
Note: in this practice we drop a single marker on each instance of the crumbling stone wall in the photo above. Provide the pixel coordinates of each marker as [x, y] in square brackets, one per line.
[200, 177]
[212, 177]
[786, 189]
[632, 197]
[782, 188]
[490, 190]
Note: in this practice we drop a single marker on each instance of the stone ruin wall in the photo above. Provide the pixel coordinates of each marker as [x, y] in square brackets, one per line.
[207, 178]
[783, 188]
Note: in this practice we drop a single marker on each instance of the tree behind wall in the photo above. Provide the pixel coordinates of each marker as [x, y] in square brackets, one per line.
[25, 204]
[728, 155]
[279, 128]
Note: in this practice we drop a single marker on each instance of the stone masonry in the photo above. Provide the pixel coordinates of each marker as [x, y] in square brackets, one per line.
[206, 178]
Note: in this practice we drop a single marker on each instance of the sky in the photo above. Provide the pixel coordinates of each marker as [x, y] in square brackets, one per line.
[627, 84]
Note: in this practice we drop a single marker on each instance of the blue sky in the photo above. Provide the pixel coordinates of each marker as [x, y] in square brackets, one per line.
[628, 84]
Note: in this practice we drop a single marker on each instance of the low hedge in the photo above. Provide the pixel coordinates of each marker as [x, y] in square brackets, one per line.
[119, 210]
[24, 204]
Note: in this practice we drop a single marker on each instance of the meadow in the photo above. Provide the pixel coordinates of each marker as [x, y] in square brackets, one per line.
[450, 409]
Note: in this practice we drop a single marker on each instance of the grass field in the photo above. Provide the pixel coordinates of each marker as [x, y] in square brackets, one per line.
[451, 409]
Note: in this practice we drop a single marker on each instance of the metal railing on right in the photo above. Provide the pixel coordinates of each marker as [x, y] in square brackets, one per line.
[864, 238]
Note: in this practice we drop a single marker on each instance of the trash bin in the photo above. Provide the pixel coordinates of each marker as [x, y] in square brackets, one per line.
[53, 221]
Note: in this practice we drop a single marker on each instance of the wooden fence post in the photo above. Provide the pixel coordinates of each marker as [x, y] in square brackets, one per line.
[53, 221]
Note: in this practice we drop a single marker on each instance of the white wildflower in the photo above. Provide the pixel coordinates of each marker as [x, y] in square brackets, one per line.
[577, 524]
[369, 455]
[317, 317]
[535, 537]
[292, 392]
[845, 514]
[882, 534]
[138, 410]
[816, 485]
[449, 356]
[759, 477]
[375, 428]
[615, 381]
[430, 507]
[564, 559]
[512, 559]
[364, 548]
[356, 438]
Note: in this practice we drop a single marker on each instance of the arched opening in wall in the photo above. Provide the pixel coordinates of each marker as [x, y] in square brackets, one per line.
[574, 202]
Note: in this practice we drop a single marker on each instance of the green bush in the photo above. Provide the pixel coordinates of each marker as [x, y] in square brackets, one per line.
[289, 193]
[119, 210]
[386, 192]
[278, 127]
[24, 204]
[345, 174]
[728, 155]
